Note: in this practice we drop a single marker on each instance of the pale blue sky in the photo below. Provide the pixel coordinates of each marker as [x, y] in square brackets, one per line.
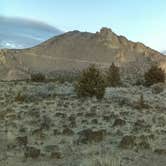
[138, 20]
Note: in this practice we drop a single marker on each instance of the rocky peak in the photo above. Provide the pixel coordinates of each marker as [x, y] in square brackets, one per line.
[108, 37]
[105, 33]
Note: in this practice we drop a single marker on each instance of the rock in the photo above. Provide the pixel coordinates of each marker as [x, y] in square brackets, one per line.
[89, 136]
[31, 152]
[128, 141]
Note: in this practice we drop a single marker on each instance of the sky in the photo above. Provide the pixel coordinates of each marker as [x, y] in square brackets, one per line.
[138, 20]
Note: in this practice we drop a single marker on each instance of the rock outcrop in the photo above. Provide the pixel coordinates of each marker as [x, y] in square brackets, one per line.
[75, 50]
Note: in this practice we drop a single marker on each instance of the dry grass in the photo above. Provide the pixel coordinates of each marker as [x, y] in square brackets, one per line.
[106, 160]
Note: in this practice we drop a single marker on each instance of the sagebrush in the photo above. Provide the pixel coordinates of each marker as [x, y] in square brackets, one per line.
[154, 75]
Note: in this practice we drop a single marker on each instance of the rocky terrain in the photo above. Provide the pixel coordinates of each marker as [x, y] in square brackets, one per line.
[46, 124]
[74, 51]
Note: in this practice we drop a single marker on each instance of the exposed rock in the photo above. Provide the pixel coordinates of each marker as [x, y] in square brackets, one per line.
[74, 51]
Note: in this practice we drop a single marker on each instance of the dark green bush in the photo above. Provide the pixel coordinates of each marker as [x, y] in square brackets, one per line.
[38, 77]
[113, 76]
[154, 75]
[91, 83]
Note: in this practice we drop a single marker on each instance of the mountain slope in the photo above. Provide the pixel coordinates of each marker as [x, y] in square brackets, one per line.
[75, 50]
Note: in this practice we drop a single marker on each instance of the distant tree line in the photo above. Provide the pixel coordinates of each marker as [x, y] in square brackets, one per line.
[93, 81]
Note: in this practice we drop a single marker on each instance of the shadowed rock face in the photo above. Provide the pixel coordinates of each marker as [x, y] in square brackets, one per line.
[75, 50]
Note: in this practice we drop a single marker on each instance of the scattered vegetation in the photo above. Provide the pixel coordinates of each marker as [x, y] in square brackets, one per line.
[141, 104]
[113, 76]
[19, 97]
[38, 77]
[107, 160]
[158, 88]
[154, 75]
[63, 77]
[91, 83]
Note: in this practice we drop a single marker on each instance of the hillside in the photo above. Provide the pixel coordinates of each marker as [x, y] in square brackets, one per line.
[75, 50]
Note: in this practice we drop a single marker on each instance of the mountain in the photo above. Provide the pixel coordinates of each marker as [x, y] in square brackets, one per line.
[75, 50]
[23, 33]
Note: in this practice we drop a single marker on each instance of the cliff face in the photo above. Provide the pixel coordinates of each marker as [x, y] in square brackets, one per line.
[75, 50]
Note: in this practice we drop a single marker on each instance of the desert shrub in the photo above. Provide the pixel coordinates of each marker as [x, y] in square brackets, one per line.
[141, 103]
[113, 76]
[91, 83]
[158, 88]
[154, 75]
[38, 77]
[20, 97]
